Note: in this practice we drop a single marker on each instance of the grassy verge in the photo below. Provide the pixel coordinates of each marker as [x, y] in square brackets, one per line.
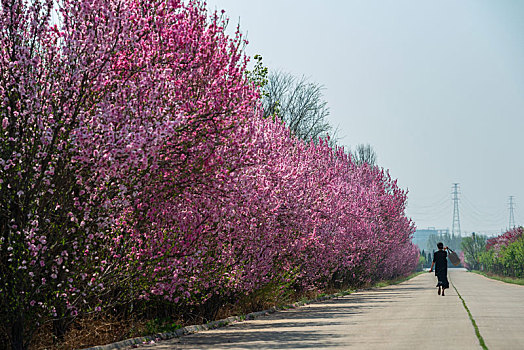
[513, 280]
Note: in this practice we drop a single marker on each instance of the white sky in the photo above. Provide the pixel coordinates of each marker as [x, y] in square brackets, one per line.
[436, 87]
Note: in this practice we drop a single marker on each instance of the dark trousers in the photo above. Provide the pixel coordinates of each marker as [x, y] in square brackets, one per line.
[442, 277]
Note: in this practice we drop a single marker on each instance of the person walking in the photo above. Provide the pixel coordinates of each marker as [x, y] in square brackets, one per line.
[441, 267]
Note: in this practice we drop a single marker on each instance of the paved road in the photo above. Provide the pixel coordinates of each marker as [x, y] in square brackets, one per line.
[496, 307]
[407, 316]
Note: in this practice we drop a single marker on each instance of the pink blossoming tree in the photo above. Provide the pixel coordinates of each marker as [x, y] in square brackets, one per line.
[135, 164]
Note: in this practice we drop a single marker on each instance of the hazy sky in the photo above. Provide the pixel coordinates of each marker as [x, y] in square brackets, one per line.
[436, 87]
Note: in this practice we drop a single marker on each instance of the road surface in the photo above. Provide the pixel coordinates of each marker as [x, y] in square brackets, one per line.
[407, 316]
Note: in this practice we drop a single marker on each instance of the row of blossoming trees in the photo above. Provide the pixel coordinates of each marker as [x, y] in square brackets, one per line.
[502, 255]
[135, 165]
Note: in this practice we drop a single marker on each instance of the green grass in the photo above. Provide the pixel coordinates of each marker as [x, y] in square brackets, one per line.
[477, 332]
[513, 280]
[158, 325]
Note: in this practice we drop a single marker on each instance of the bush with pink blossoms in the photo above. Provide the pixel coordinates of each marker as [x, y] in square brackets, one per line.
[52, 262]
[505, 239]
[92, 108]
[276, 211]
[504, 254]
[135, 165]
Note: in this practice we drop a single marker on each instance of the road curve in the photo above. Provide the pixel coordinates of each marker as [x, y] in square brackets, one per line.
[407, 316]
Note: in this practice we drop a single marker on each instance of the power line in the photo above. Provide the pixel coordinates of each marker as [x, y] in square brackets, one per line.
[470, 211]
[480, 217]
[437, 203]
[429, 211]
[491, 213]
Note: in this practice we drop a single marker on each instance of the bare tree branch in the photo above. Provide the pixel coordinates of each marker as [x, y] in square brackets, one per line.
[364, 154]
[299, 103]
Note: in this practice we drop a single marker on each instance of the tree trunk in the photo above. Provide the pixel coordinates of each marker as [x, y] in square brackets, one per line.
[17, 334]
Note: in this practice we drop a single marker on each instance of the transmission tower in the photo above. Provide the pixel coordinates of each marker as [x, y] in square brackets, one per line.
[455, 228]
[511, 214]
